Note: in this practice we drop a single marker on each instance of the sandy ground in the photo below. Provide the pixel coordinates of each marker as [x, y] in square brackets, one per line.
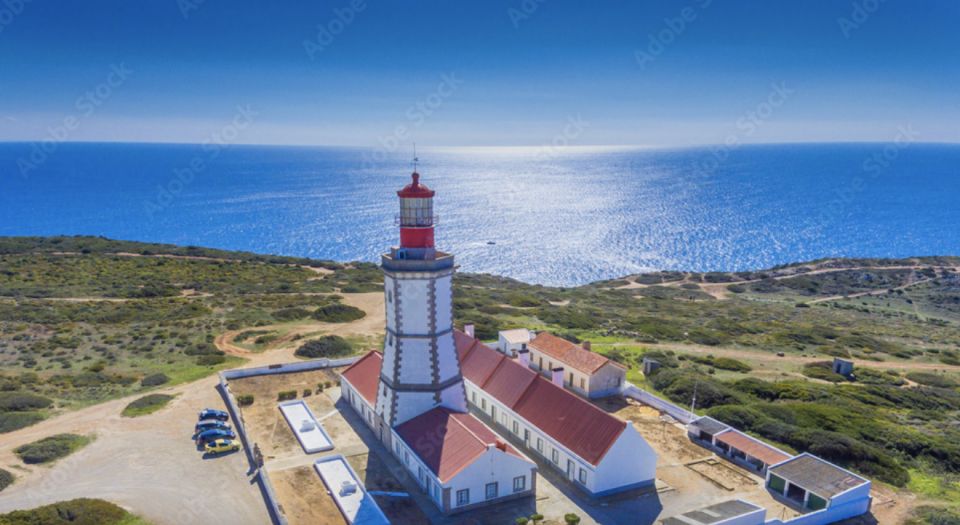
[148, 464]
[301, 493]
[695, 476]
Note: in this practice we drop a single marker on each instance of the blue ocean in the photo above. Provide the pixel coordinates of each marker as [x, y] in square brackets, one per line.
[542, 215]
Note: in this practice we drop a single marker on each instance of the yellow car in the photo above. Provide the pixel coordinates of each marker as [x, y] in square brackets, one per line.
[220, 446]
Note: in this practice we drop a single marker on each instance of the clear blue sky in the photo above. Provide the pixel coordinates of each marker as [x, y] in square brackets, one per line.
[518, 72]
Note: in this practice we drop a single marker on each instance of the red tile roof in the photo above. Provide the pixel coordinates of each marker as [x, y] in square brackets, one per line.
[569, 353]
[586, 430]
[753, 447]
[364, 375]
[447, 441]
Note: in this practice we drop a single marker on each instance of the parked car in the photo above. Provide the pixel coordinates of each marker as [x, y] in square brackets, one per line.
[209, 424]
[220, 446]
[212, 413]
[214, 434]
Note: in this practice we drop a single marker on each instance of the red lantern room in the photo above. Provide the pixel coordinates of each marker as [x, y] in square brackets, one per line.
[416, 219]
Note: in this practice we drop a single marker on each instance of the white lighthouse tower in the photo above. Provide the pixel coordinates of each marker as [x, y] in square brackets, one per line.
[420, 366]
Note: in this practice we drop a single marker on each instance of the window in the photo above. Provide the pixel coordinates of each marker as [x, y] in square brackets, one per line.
[492, 489]
[406, 457]
[483, 405]
[540, 366]
[396, 447]
[618, 380]
[540, 445]
[555, 456]
[473, 396]
[391, 340]
[519, 483]
[421, 476]
[436, 492]
[583, 385]
[389, 296]
[463, 497]
[583, 477]
[516, 428]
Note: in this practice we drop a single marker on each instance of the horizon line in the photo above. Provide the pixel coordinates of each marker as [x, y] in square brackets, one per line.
[569, 147]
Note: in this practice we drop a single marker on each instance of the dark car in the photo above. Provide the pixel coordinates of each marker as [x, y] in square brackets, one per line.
[209, 424]
[210, 435]
[211, 413]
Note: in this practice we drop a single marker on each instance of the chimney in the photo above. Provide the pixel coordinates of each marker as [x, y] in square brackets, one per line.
[586, 345]
[468, 329]
[524, 356]
[558, 376]
[501, 445]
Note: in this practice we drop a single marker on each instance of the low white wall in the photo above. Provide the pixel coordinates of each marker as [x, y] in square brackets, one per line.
[288, 368]
[680, 414]
[831, 514]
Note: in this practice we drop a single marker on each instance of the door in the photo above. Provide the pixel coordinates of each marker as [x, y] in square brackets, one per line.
[526, 437]
[570, 469]
[493, 413]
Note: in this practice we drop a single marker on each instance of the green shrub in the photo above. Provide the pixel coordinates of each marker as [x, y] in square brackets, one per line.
[290, 314]
[74, 512]
[523, 520]
[822, 370]
[245, 400]
[931, 379]
[50, 448]
[287, 395]
[10, 421]
[210, 360]
[571, 518]
[326, 346]
[338, 313]
[154, 380]
[929, 515]
[146, 405]
[6, 479]
[22, 402]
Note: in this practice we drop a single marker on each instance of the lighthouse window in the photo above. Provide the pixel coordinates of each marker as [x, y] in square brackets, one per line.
[389, 296]
[416, 212]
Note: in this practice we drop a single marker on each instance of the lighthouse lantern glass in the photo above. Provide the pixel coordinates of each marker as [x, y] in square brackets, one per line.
[416, 212]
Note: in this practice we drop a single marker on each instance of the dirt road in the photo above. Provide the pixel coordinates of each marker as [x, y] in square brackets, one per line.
[149, 464]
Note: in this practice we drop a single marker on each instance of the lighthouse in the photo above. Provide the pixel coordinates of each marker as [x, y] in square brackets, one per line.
[420, 368]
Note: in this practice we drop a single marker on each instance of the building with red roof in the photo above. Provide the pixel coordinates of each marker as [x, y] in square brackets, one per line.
[596, 451]
[578, 367]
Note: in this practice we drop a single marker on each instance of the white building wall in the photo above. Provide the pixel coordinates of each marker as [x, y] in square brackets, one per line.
[415, 358]
[493, 466]
[447, 356]
[412, 404]
[444, 290]
[391, 301]
[629, 449]
[414, 319]
[606, 381]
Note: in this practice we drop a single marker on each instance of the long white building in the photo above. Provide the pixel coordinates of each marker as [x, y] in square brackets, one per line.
[596, 451]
